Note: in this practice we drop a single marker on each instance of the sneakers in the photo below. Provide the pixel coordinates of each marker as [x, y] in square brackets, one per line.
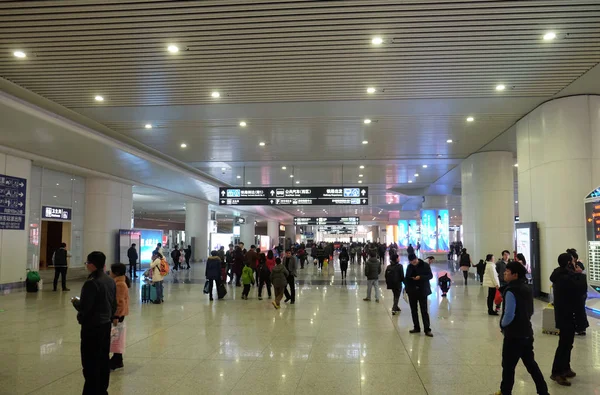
[367, 299]
[259, 298]
[582, 333]
[414, 331]
[492, 313]
[376, 300]
[561, 380]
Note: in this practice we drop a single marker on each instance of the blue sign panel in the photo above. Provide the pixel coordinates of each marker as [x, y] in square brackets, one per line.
[428, 230]
[402, 233]
[413, 230]
[148, 241]
[13, 193]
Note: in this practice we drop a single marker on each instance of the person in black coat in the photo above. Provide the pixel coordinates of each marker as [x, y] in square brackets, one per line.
[344, 259]
[132, 255]
[581, 321]
[175, 254]
[418, 289]
[213, 271]
[188, 255]
[394, 278]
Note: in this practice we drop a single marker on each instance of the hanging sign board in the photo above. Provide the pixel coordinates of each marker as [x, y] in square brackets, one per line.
[281, 196]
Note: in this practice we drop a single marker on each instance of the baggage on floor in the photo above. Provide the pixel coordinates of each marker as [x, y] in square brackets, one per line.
[148, 293]
[117, 338]
[31, 286]
[548, 321]
[221, 291]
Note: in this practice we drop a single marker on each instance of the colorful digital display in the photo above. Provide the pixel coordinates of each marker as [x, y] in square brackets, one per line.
[413, 232]
[428, 230]
[402, 233]
[443, 231]
[148, 241]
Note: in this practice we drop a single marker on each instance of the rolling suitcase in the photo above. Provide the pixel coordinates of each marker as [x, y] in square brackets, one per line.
[548, 322]
[221, 291]
[148, 293]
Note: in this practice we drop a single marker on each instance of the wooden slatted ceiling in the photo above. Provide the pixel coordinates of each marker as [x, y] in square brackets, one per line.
[294, 50]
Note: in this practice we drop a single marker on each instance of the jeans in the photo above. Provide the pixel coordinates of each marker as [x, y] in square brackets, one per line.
[159, 290]
[60, 271]
[278, 294]
[371, 284]
[512, 351]
[414, 301]
[264, 281]
[210, 287]
[397, 293]
[562, 358]
[95, 350]
[490, 299]
[292, 284]
[132, 269]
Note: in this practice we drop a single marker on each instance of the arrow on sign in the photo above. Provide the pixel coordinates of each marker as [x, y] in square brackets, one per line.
[363, 192]
[21, 184]
[20, 204]
[271, 200]
[364, 201]
[222, 193]
[272, 192]
[222, 201]
[21, 194]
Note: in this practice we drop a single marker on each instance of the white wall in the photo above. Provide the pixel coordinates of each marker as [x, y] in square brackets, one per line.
[13, 243]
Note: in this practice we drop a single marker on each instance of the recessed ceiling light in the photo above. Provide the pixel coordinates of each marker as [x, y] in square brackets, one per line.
[360, 181]
[54, 196]
[361, 167]
[173, 48]
[453, 209]
[365, 142]
[424, 166]
[183, 145]
[223, 168]
[470, 119]
[148, 126]
[297, 182]
[99, 98]
[20, 54]
[449, 141]
[215, 94]
[57, 184]
[500, 87]
[360, 175]
[410, 181]
[416, 174]
[242, 124]
[249, 183]
[377, 40]
[238, 176]
[549, 36]
[516, 201]
[516, 165]
[291, 176]
[367, 121]
[262, 143]
[283, 167]
[370, 90]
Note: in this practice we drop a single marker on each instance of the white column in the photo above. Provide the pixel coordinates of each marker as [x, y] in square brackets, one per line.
[558, 149]
[196, 225]
[435, 202]
[247, 232]
[487, 180]
[13, 243]
[375, 232]
[273, 232]
[108, 206]
[290, 233]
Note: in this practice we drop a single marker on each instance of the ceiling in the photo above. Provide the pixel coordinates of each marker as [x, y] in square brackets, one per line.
[297, 73]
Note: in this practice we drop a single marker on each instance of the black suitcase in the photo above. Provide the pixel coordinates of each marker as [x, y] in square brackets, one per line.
[31, 286]
[221, 291]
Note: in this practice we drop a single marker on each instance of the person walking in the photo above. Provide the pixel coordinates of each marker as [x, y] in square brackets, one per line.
[59, 260]
[372, 272]
[213, 272]
[264, 274]
[410, 249]
[247, 279]
[344, 259]
[279, 276]
[95, 310]
[465, 264]
[157, 278]
[229, 257]
[394, 278]
[132, 255]
[188, 255]
[290, 264]
[238, 265]
[118, 273]
[251, 259]
[481, 270]
[490, 280]
[416, 280]
[175, 254]
[515, 325]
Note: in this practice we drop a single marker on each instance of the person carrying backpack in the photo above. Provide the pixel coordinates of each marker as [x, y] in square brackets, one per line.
[394, 277]
[157, 276]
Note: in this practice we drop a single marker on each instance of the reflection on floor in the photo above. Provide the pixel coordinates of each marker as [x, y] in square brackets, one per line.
[330, 342]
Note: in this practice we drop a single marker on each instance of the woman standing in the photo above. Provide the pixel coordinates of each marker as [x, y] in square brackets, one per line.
[465, 264]
[117, 272]
[490, 280]
[581, 321]
[344, 258]
[279, 276]
[157, 278]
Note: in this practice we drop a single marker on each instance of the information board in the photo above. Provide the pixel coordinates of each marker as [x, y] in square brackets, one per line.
[326, 221]
[282, 196]
[13, 195]
[59, 213]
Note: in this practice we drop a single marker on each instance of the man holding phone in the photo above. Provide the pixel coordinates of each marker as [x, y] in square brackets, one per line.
[95, 310]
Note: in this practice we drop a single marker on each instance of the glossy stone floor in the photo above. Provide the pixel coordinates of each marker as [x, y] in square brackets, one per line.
[330, 342]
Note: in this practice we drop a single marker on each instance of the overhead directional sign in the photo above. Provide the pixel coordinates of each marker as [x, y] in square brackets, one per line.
[326, 220]
[13, 194]
[282, 196]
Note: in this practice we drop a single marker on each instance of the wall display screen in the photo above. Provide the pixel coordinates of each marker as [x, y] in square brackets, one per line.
[413, 232]
[428, 230]
[443, 232]
[148, 241]
[524, 245]
[402, 233]
[527, 237]
[218, 240]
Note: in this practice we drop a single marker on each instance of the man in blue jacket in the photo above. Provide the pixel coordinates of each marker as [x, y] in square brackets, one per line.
[418, 289]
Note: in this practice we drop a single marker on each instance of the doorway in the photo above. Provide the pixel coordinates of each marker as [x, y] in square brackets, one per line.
[53, 234]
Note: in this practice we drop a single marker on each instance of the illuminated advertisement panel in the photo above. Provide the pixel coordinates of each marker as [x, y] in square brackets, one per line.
[428, 230]
[413, 232]
[148, 241]
[443, 232]
[402, 233]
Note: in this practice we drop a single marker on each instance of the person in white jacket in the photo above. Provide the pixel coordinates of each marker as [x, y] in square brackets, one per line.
[490, 280]
[157, 279]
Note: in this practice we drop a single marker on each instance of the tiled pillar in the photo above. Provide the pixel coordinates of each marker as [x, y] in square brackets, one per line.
[196, 226]
[247, 232]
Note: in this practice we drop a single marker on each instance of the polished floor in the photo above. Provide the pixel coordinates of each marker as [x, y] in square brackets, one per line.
[330, 342]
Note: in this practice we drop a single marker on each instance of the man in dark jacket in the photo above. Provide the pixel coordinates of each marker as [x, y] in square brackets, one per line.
[290, 264]
[372, 271]
[59, 259]
[188, 255]
[132, 255]
[229, 262]
[394, 278]
[213, 271]
[251, 259]
[418, 289]
[565, 284]
[175, 254]
[518, 333]
[501, 267]
[95, 311]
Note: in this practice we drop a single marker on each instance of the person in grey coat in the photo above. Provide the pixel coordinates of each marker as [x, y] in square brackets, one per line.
[372, 272]
[279, 276]
[290, 264]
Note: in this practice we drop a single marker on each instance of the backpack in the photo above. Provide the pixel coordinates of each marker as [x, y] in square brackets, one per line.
[163, 268]
[390, 277]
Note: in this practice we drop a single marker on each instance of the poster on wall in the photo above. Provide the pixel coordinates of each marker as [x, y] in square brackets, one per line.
[413, 232]
[218, 240]
[524, 245]
[13, 196]
[402, 233]
[148, 241]
[443, 232]
[428, 230]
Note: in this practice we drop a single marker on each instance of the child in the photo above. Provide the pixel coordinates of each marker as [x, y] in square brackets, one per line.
[247, 279]
[480, 270]
[117, 272]
[444, 281]
[279, 275]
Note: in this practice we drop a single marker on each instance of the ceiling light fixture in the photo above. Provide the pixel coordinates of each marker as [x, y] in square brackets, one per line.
[20, 54]
[410, 181]
[377, 40]
[365, 142]
[470, 119]
[516, 202]
[549, 36]
[173, 48]
[367, 121]
[291, 176]
[148, 126]
[183, 145]
[239, 176]
[99, 98]
[262, 144]
[416, 174]
[424, 166]
[242, 124]
[249, 183]
[215, 94]
[297, 182]
[283, 167]
[361, 167]
[370, 90]
[223, 168]
[360, 181]
[500, 87]
[516, 165]
[360, 175]
[449, 141]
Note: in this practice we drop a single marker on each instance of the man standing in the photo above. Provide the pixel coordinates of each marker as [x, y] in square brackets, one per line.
[175, 254]
[251, 259]
[95, 311]
[59, 259]
[133, 257]
[418, 289]
[372, 272]
[518, 333]
[188, 255]
[501, 266]
[290, 264]
[229, 262]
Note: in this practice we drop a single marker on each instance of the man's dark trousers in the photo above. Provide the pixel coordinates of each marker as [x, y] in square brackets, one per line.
[95, 349]
[513, 350]
[62, 272]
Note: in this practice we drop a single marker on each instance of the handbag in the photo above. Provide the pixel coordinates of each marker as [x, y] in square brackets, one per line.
[207, 287]
[498, 298]
[117, 338]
